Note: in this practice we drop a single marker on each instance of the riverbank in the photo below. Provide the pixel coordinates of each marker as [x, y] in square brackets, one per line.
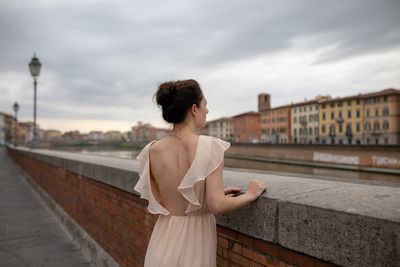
[360, 158]
[314, 164]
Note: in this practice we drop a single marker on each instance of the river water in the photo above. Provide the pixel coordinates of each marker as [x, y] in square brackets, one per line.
[281, 169]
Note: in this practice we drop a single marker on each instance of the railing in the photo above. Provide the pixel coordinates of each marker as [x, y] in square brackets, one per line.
[298, 221]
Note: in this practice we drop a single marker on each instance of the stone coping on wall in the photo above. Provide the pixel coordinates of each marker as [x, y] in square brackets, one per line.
[348, 224]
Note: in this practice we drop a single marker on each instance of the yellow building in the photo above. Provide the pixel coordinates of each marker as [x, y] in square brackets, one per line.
[341, 120]
[371, 119]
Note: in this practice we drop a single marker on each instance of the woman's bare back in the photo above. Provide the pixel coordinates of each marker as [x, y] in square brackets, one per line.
[170, 159]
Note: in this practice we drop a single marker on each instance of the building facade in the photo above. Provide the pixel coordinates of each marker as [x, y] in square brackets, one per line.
[304, 119]
[113, 136]
[341, 120]
[246, 127]
[73, 137]
[6, 127]
[275, 125]
[221, 128]
[146, 133]
[52, 135]
[95, 136]
[382, 117]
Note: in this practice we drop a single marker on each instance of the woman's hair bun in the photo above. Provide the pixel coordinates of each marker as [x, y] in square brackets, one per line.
[165, 94]
[176, 97]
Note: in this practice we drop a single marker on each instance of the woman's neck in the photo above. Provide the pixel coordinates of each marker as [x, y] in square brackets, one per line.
[182, 129]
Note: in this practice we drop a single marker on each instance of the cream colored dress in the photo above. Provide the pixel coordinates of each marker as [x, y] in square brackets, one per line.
[187, 241]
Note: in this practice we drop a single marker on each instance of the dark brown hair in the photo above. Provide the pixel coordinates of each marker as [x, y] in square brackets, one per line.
[176, 97]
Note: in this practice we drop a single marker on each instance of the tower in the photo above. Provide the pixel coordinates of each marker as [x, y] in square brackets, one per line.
[264, 102]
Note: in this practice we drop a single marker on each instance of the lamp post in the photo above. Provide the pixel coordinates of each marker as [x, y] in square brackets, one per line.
[34, 67]
[16, 108]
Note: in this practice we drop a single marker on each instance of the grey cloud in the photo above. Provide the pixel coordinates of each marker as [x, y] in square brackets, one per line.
[113, 53]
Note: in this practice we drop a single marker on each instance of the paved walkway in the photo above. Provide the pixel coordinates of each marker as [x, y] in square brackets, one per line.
[30, 234]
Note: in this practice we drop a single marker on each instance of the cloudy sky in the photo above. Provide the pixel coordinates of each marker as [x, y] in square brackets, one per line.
[102, 60]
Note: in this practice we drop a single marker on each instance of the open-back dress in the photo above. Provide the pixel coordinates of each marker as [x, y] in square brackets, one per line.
[188, 240]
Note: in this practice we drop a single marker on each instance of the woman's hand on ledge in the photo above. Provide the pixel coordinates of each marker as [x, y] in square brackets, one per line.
[255, 189]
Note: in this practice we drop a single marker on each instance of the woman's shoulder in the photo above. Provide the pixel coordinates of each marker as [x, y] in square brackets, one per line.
[215, 142]
[213, 138]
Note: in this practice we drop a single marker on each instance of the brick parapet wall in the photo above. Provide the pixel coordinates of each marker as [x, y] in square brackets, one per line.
[119, 222]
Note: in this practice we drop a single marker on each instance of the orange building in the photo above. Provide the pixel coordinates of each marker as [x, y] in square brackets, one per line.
[275, 125]
[246, 127]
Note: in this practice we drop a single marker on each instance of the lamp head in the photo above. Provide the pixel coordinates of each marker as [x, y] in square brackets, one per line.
[34, 66]
[16, 107]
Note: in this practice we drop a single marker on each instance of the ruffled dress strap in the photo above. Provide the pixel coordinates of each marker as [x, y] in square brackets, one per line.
[209, 156]
[143, 186]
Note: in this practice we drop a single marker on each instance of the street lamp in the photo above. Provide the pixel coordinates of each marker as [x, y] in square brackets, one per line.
[34, 67]
[16, 108]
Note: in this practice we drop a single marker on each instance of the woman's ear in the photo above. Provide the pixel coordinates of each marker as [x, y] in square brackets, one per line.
[194, 109]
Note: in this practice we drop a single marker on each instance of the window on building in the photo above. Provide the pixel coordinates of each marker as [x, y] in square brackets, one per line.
[376, 126]
[386, 141]
[358, 113]
[367, 126]
[358, 127]
[349, 102]
[367, 112]
[385, 125]
[316, 107]
[376, 99]
[295, 131]
[323, 129]
[368, 101]
[340, 104]
[332, 105]
[294, 110]
[316, 117]
[340, 128]
[332, 115]
[294, 119]
[340, 114]
[358, 101]
[310, 131]
[315, 130]
[349, 114]
[376, 112]
[323, 105]
[348, 129]
[385, 111]
[301, 131]
[332, 130]
[310, 108]
[385, 98]
[310, 118]
[323, 116]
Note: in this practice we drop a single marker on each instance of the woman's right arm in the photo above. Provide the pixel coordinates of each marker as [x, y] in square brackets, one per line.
[218, 203]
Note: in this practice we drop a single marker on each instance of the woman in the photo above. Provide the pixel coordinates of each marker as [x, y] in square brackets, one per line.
[181, 177]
